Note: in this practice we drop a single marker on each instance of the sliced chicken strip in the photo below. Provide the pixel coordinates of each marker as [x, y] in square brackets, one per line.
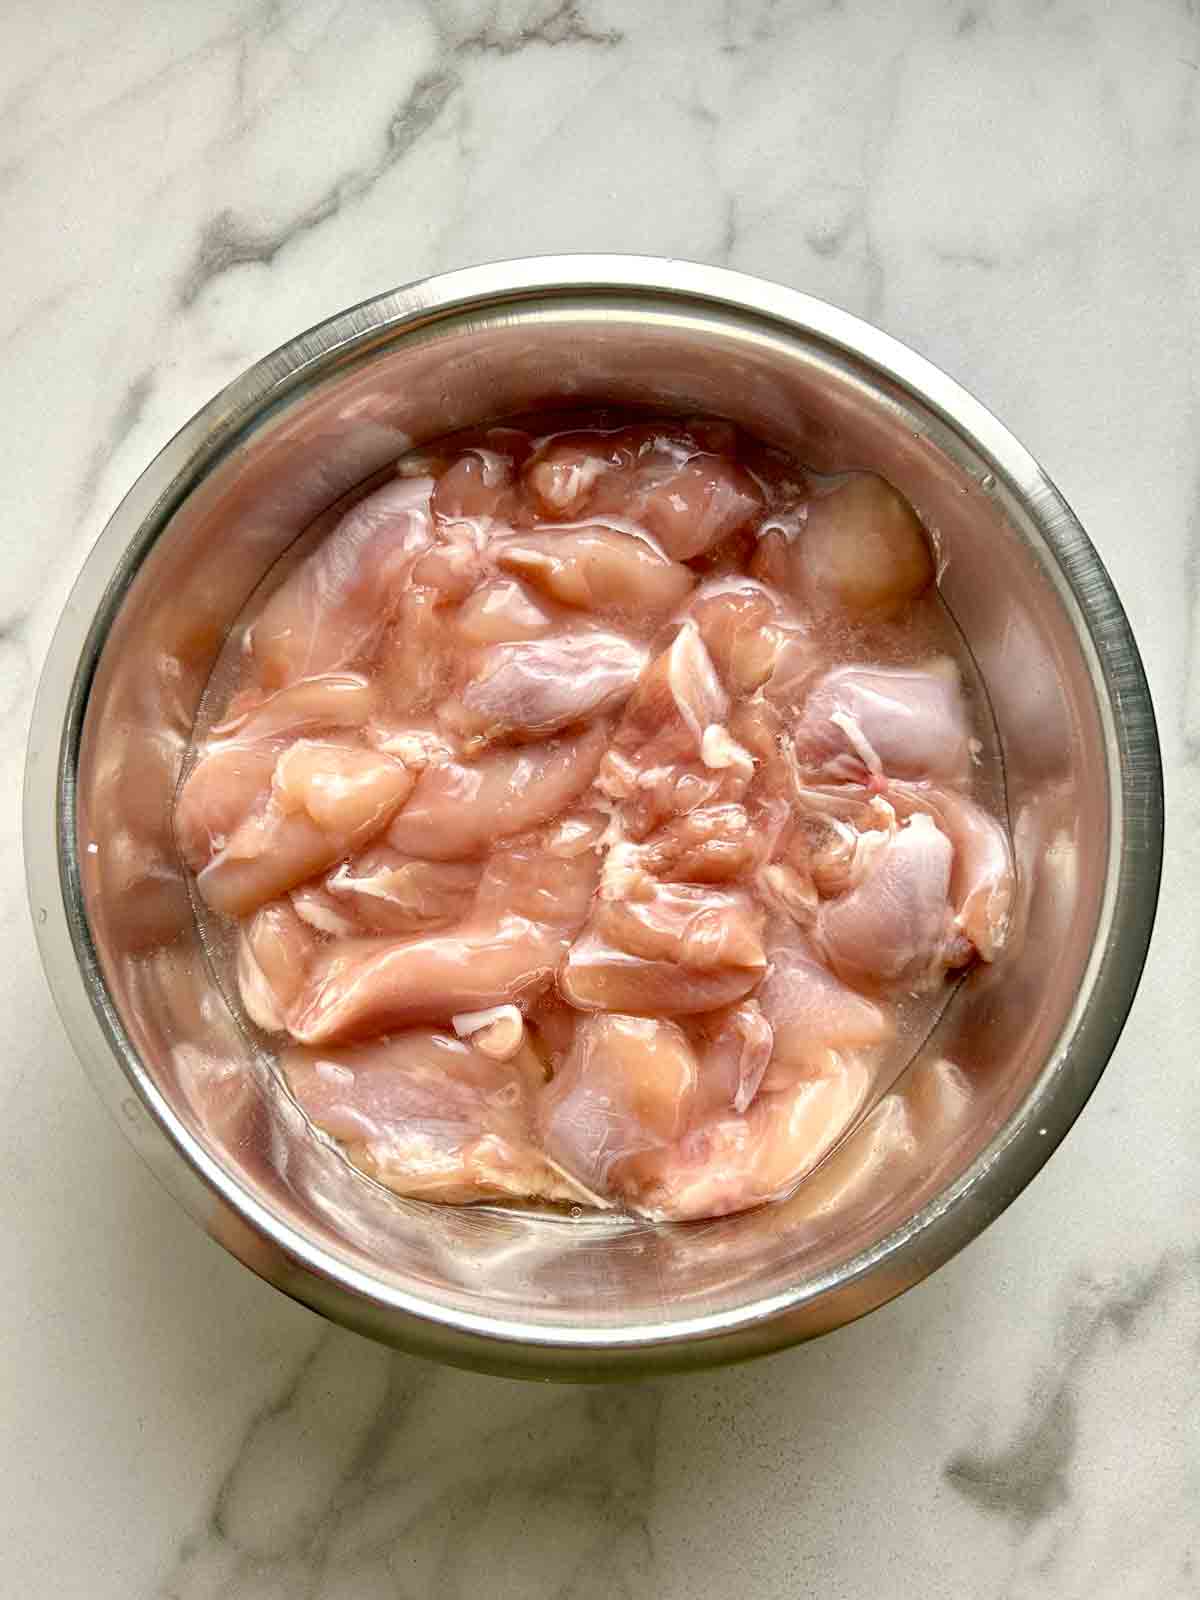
[365, 987]
[326, 801]
[336, 604]
[227, 785]
[532, 688]
[458, 809]
[598, 568]
[275, 951]
[335, 700]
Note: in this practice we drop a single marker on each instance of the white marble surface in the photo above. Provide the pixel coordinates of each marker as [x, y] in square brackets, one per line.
[1013, 186]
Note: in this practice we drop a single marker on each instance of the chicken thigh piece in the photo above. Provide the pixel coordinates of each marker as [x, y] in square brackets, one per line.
[429, 1116]
[325, 801]
[275, 951]
[528, 689]
[983, 878]
[529, 905]
[682, 949]
[864, 723]
[690, 505]
[895, 927]
[813, 1016]
[459, 808]
[860, 550]
[338, 601]
[729, 1162]
[598, 568]
[628, 1084]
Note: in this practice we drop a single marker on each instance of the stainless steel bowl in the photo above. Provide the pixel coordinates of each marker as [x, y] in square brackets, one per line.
[587, 1296]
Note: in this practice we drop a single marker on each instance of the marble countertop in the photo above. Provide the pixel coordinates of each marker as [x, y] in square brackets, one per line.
[1013, 187]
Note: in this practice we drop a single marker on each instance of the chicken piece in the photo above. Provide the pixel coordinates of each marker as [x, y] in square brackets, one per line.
[737, 1047]
[325, 801]
[334, 607]
[983, 879]
[814, 1017]
[502, 611]
[730, 1162]
[275, 952]
[335, 700]
[429, 1116]
[458, 810]
[628, 1085]
[597, 568]
[862, 551]
[367, 987]
[860, 723]
[600, 977]
[683, 949]
[532, 877]
[712, 844]
[226, 786]
[739, 622]
[690, 506]
[417, 660]
[689, 923]
[679, 697]
[529, 905]
[894, 928]
[657, 767]
[843, 853]
[535, 687]
[562, 476]
[385, 892]
[477, 488]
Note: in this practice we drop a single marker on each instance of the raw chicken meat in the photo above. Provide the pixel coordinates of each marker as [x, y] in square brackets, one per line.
[429, 1116]
[598, 568]
[859, 723]
[600, 816]
[894, 926]
[325, 801]
[535, 687]
[334, 607]
[732, 1162]
[858, 548]
[814, 1017]
[458, 809]
[628, 1085]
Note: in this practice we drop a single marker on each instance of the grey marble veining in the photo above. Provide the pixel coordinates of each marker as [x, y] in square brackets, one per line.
[1013, 186]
